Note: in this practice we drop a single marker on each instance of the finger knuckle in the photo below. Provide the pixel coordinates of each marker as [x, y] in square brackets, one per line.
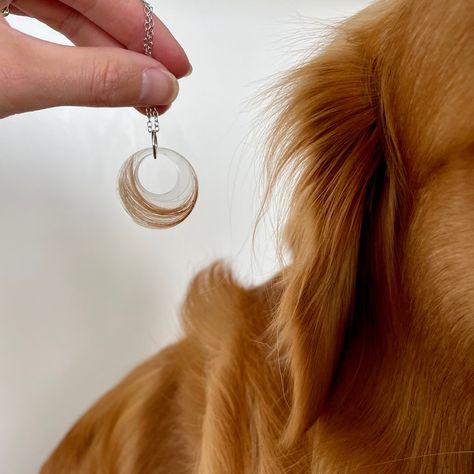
[106, 84]
[13, 76]
[11, 62]
[70, 24]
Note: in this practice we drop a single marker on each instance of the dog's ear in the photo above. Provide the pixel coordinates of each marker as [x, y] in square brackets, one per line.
[328, 139]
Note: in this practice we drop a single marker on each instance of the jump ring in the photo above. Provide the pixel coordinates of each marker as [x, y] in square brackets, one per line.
[154, 141]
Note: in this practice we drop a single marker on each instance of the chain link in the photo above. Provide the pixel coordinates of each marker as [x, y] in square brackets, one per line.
[149, 28]
[153, 123]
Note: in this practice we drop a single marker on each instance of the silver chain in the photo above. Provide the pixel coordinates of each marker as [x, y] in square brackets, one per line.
[149, 28]
[153, 123]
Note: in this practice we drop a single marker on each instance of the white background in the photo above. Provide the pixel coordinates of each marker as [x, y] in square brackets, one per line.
[85, 294]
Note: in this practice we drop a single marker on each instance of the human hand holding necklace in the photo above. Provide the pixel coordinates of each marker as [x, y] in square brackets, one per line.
[107, 68]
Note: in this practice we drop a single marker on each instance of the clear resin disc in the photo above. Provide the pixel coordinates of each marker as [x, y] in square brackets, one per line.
[152, 209]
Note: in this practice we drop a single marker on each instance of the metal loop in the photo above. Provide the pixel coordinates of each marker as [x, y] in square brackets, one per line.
[6, 11]
[154, 142]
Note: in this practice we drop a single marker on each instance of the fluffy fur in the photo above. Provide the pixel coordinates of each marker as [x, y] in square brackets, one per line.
[359, 356]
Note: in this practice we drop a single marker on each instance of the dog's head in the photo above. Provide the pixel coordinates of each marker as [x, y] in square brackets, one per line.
[378, 134]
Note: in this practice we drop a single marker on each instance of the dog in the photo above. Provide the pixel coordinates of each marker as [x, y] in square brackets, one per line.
[359, 355]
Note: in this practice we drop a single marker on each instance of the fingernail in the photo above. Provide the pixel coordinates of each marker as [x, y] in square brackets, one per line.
[159, 87]
[190, 71]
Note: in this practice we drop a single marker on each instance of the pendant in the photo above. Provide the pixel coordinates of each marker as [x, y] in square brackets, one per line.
[158, 210]
[151, 209]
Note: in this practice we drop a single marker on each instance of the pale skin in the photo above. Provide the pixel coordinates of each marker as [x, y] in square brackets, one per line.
[105, 68]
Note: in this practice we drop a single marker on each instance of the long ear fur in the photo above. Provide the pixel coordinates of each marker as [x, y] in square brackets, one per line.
[328, 138]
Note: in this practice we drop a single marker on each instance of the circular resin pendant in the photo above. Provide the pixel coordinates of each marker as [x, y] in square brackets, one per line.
[158, 210]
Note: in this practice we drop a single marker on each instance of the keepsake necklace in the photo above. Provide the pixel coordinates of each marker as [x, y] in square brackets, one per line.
[157, 211]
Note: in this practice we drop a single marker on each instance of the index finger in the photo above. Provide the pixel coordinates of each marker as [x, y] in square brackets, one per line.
[124, 21]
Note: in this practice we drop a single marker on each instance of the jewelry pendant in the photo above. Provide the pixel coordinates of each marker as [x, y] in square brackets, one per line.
[154, 210]
[149, 209]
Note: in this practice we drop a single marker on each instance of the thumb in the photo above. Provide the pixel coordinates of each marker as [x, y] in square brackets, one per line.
[45, 74]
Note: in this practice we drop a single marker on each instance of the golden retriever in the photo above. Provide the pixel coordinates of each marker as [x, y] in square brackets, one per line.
[359, 355]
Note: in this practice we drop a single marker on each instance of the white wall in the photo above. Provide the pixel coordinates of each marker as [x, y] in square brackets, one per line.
[85, 294]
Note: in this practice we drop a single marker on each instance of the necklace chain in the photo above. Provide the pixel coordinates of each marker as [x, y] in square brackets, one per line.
[153, 123]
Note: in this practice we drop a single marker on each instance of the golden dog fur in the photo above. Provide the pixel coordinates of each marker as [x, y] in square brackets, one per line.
[359, 355]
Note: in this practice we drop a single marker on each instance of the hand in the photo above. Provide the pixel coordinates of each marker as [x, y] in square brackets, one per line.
[106, 68]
